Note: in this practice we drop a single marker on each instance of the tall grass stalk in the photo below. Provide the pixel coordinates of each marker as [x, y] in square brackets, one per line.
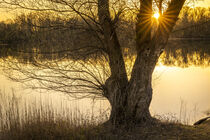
[21, 119]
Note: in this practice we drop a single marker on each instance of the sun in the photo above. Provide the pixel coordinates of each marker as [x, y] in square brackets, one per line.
[156, 15]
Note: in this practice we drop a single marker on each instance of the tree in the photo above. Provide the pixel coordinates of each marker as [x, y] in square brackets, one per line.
[129, 96]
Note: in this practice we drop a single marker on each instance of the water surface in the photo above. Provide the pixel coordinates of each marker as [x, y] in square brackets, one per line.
[181, 86]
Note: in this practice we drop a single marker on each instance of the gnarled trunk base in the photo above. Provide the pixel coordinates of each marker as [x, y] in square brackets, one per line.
[130, 105]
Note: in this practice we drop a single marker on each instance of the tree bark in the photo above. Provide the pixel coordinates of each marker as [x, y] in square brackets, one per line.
[130, 100]
[117, 82]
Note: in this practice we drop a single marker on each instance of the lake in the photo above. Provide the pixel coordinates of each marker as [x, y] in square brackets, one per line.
[181, 86]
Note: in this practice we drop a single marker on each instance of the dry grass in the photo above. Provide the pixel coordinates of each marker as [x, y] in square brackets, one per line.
[24, 121]
[38, 122]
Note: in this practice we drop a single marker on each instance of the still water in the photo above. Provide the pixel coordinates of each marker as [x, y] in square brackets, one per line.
[182, 92]
[181, 87]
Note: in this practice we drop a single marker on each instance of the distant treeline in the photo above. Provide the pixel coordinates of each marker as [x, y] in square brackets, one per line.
[193, 23]
[52, 36]
[45, 35]
[45, 28]
[49, 36]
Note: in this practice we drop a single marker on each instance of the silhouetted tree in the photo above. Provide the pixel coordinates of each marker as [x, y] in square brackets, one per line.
[129, 95]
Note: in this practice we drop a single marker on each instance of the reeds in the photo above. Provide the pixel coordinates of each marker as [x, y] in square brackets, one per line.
[22, 120]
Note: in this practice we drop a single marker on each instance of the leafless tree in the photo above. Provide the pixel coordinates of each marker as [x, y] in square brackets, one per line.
[129, 94]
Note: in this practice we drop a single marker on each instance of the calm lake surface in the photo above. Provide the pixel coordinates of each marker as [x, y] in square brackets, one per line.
[181, 87]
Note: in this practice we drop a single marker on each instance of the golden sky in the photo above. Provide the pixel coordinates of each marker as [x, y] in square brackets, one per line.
[8, 15]
[203, 3]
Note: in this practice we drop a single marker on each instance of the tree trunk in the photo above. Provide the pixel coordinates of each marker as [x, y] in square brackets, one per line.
[130, 100]
[131, 105]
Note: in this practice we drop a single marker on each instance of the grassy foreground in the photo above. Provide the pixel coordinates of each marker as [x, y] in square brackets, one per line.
[24, 122]
[62, 130]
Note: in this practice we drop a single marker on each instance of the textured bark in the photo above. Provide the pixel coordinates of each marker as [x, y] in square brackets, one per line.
[111, 42]
[150, 49]
[117, 82]
[130, 100]
[143, 25]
